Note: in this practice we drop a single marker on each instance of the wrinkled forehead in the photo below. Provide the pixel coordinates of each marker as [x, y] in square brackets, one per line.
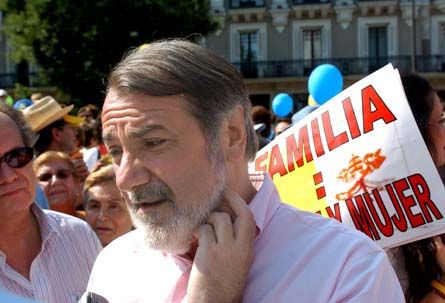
[107, 187]
[9, 128]
[138, 108]
[7, 122]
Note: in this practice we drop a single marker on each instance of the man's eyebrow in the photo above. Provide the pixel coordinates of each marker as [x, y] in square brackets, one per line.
[144, 130]
[107, 137]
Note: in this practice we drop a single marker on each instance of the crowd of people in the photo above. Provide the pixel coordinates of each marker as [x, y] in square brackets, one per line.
[149, 199]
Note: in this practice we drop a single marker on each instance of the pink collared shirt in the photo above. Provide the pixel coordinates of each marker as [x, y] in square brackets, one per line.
[299, 257]
[60, 272]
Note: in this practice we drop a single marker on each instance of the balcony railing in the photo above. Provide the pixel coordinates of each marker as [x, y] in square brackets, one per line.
[348, 66]
[300, 2]
[234, 4]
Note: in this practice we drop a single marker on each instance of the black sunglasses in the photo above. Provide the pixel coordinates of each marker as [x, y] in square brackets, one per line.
[18, 157]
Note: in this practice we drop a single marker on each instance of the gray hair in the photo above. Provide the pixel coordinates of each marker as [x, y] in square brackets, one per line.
[28, 136]
[211, 85]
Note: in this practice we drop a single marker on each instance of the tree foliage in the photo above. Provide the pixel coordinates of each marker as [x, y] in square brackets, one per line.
[77, 42]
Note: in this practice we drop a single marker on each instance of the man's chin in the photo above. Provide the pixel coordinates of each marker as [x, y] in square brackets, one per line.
[172, 246]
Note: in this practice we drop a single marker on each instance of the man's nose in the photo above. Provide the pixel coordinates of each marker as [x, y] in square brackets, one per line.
[7, 174]
[131, 172]
[102, 214]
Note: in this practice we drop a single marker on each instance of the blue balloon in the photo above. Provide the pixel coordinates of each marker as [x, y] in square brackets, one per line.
[324, 83]
[22, 104]
[282, 105]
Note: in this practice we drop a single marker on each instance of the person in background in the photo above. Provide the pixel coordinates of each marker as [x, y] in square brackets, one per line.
[302, 113]
[44, 255]
[420, 265]
[106, 211]
[3, 96]
[60, 181]
[281, 125]
[260, 114]
[35, 97]
[56, 130]
[91, 139]
[177, 123]
[88, 113]
[262, 119]
[40, 198]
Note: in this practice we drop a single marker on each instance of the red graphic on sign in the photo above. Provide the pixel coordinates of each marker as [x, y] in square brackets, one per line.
[357, 172]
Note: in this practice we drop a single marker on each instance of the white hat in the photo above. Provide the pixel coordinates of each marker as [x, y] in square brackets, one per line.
[44, 112]
[259, 127]
[3, 93]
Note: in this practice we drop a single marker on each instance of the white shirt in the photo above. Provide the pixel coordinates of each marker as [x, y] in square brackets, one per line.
[60, 272]
[299, 257]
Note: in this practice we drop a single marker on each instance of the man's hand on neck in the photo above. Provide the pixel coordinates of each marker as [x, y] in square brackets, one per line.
[224, 254]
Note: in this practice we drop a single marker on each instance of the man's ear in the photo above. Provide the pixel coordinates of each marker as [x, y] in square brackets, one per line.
[236, 135]
[56, 134]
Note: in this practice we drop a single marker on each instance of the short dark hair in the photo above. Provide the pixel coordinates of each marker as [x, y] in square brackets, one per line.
[28, 136]
[211, 85]
[420, 96]
[260, 114]
[45, 136]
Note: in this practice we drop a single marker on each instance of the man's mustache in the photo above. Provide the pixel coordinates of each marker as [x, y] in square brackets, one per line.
[151, 192]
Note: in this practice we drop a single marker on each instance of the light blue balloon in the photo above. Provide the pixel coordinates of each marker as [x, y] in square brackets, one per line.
[282, 105]
[22, 104]
[324, 83]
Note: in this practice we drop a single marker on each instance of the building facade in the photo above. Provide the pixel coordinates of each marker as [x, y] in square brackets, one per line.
[277, 43]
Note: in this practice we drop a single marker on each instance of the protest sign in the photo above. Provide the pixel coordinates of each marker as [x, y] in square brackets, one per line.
[360, 159]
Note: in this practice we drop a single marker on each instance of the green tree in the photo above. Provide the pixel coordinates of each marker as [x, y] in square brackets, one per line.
[77, 42]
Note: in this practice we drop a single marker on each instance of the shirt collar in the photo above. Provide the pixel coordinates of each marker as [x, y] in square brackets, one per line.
[48, 227]
[263, 206]
[264, 203]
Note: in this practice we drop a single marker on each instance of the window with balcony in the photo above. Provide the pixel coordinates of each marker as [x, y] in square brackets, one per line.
[248, 47]
[249, 53]
[377, 41]
[377, 47]
[442, 39]
[246, 3]
[438, 35]
[298, 2]
[312, 45]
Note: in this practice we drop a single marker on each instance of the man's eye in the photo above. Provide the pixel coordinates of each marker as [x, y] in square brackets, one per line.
[114, 152]
[154, 142]
[93, 206]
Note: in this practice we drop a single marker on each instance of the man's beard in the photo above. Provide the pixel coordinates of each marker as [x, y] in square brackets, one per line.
[174, 234]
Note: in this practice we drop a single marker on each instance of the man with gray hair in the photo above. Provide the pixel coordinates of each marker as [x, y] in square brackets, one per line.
[176, 121]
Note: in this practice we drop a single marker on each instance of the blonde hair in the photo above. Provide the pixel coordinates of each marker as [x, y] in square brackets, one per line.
[50, 156]
[102, 175]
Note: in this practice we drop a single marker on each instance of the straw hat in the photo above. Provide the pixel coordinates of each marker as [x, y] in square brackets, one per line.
[44, 112]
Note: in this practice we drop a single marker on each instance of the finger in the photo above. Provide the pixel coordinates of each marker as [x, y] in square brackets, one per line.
[244, 225]
[222, 225]
[206, 236]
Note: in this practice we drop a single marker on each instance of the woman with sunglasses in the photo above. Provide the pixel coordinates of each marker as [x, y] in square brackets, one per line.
[60, 181]
[44, 255]
[420, 265]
